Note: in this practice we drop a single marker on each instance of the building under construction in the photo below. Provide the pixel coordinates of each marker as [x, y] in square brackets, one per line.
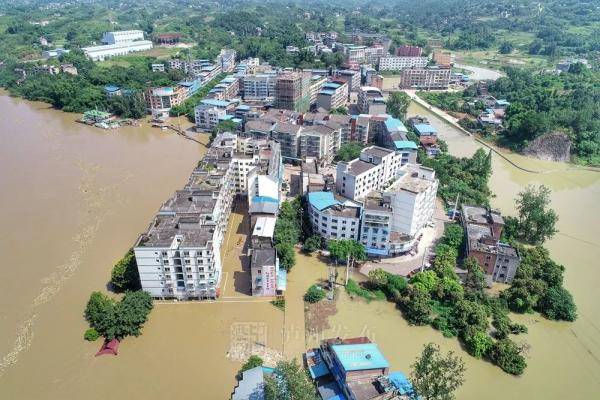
[291, 91]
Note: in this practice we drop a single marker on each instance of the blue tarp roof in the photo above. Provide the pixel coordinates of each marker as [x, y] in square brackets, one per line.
[327, 92]
[356, 357]
[394, 124]
[264, 199]
[332, 85]
[425, 129]
[111, 88]
[502, 103]
[322, 200]
[401, 382]
[319, 369]
[405, 144]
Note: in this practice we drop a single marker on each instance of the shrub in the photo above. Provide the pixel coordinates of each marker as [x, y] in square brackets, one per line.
[353, 288]
[314, 294]
[124, 275]
[279, 304]
[91, 335]
[558, 304]
[507, 355]
[252, 362]
[478, 342]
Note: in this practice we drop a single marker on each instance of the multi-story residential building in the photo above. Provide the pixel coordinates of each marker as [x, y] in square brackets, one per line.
[319, 141]
[334, 218]
[226, 59]
[346, 124]
[443, 59]
[259, 87]
[161, 100]
[332, 95]
[349, 76]
[483, 229]
[292, 91]
[120, 37]
[399, 63]
[316, 83]
[394, 218]
[45, 69]
[431, 78]
[373, 54]
[179, 255]
[409, 51]
[210, 112]
[287, 135]
[227, 88]
[267, 278]
[103, 52]
[361, 129]
[355, 54]
[375, 168]
[371, 101]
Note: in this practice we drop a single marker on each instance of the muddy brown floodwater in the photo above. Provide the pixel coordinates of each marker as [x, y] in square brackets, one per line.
[74, 198]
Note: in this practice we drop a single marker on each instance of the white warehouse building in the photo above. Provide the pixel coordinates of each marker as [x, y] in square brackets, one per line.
[101, 53]
[120, 37]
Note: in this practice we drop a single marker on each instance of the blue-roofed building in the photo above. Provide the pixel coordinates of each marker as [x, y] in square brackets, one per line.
[333, 94]
[501, 104]
[425, 129]
[334, 218]
[355, 369]
[112, 90]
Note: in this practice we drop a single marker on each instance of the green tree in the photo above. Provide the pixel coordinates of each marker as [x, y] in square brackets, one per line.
[397, 104]
[124, 275]
[453, 235]
[287, 255]
[314, 294]
[536, 220]
[506, 48]
[469, 314]
[475, 278]
[349, 151]
[252, 362]
[417, 307]
[558, 304]
[449, 290]
[132, 313]
[507, 355]
[289, 382]
[312, 244]
[91, 335]
[435, 376]
[100, 313]
[478, 342]
[425, 281]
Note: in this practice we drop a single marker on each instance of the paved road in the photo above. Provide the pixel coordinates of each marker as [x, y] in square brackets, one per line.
[479, 74]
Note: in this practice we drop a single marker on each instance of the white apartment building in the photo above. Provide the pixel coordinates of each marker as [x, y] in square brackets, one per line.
[394, 63]
[393, 219]
[259, 87]
[101, 53]
[432, 78]
[120, 37]
[209, 112]
[319, 141]
[373, 54]
[179, 256]
[226, 59]
[374, 169]
[334, 218]
[332, 95]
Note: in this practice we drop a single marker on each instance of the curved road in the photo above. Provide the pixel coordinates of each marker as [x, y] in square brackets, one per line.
[479, 74]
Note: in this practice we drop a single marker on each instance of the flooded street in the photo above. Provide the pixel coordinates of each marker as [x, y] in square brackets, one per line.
[74, 198]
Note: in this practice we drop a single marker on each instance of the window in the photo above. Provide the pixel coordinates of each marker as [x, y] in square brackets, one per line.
[167, 269]
[187, 262]
[166, 262]
[164, 253]
[186, 253]
[188, 269]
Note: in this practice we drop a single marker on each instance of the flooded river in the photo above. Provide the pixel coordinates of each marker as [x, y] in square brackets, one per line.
[74, 198]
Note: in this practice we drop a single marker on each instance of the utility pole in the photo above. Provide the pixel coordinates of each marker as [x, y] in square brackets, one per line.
[423, 261]
[347, 268]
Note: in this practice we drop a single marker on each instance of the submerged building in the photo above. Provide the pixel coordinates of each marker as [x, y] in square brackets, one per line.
[179, 255]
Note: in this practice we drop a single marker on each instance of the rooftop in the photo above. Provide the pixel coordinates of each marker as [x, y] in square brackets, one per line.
[358, 357]
[405, 144]
[322, 200]
[425, 129]
[265, 227]
[262, 257]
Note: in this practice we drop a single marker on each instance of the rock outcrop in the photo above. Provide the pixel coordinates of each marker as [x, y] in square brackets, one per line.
[550, 147]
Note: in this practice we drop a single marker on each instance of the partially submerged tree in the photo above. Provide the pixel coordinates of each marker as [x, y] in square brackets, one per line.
[435, 376]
